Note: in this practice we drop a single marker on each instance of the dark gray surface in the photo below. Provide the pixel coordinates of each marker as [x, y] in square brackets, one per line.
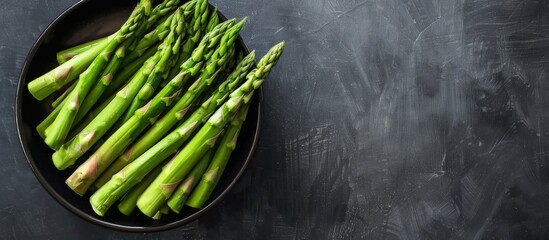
[385, 119]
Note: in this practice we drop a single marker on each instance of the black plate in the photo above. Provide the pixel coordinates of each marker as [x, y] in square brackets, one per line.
[82, 22]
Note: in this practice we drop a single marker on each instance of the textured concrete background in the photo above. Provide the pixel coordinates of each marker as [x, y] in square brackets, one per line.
[385, 119]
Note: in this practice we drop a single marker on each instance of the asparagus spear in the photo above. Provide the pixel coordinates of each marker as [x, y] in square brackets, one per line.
[179, 197]
[195, 33]
[68, 54]
[127, 204]
[59, 129]
[176, 56]
[163, 186]
[209, 180]
[104, 81]
[197, 24]
[174, 40]
[126, 178]
[213, 21]
[84, 176]
[200, 115]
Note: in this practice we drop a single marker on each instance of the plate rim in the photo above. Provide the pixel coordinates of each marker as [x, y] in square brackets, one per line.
[96, 219]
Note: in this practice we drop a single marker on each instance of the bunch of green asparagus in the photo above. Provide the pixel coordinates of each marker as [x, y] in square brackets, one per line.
[149, 116]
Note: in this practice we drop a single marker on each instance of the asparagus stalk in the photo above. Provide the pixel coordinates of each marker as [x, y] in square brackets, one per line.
[197, 24]
[104, 81]
[147, 91]
[179, 197]
[84, 176]
[127, 204]
[209, 180]
[194, 32]
[59, 129]
[200, 115]
[126, 178]
[213, 21]
[112, 110]
[163, 186]
[68, 54]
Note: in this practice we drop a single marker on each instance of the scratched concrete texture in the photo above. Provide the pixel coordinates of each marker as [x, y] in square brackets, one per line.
[385, 119]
